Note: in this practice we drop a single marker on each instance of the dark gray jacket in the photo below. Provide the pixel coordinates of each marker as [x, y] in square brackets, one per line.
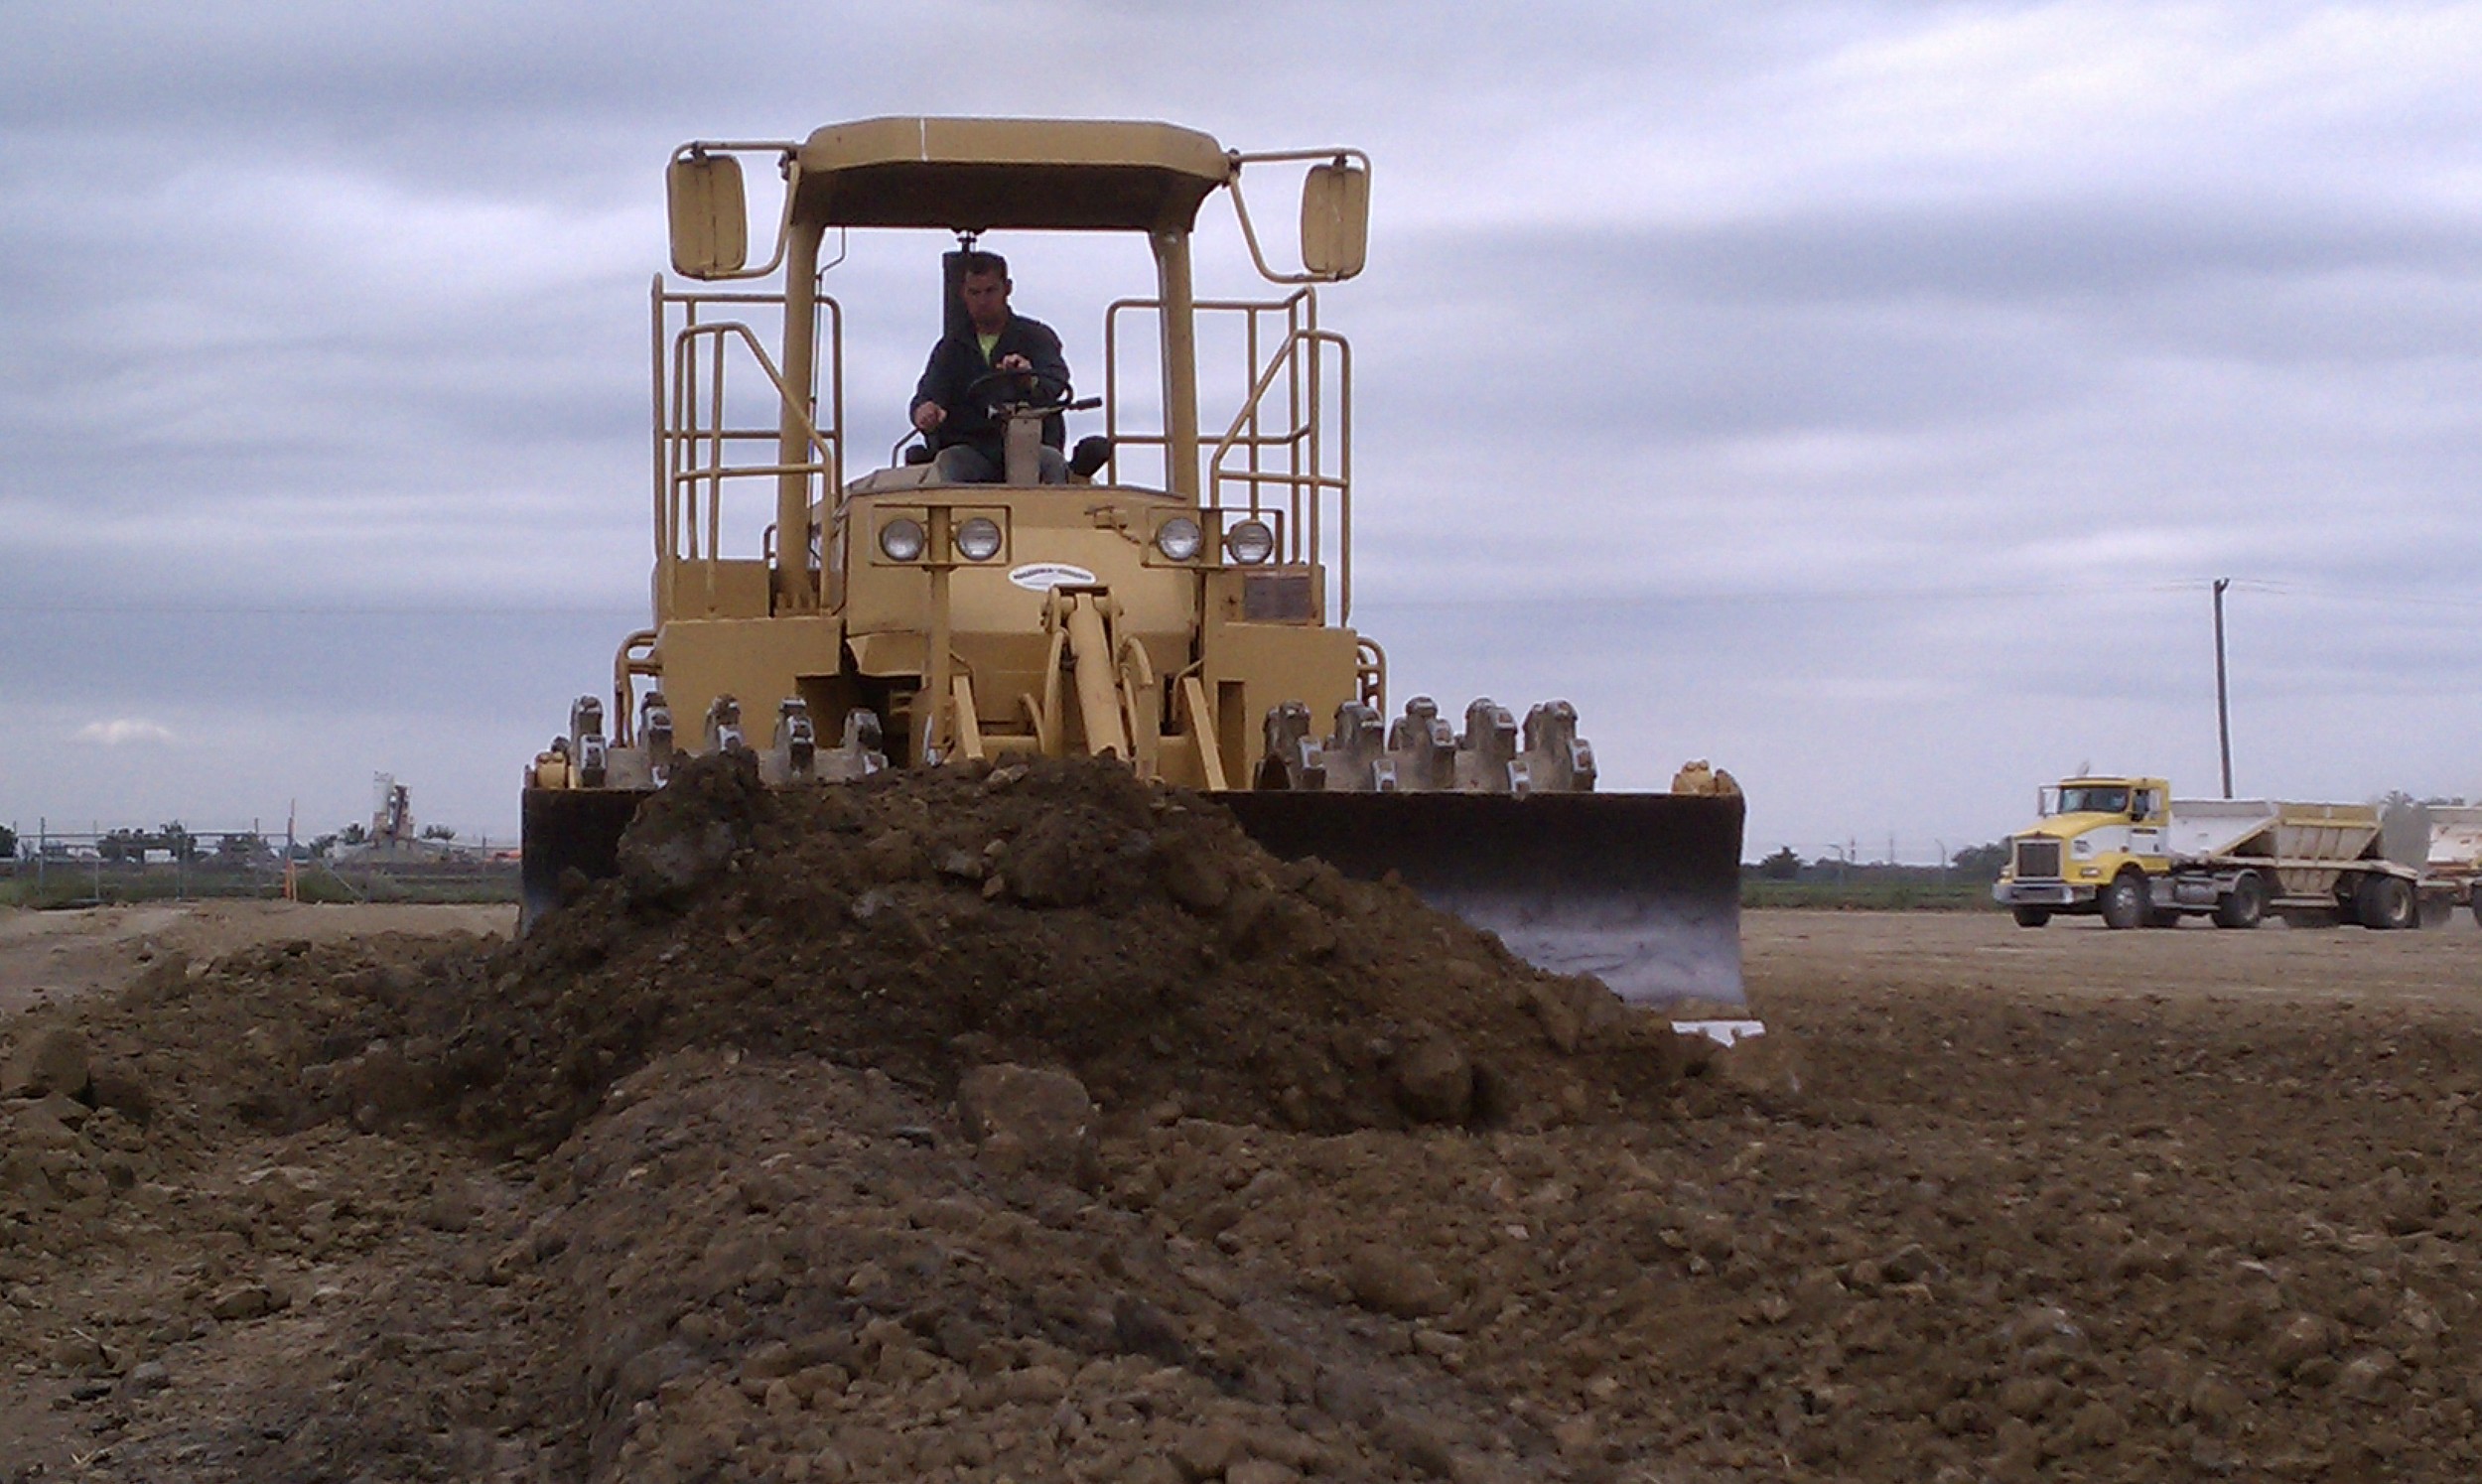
[956, 362]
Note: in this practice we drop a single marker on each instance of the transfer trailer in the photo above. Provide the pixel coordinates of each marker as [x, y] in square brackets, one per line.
[2453, 869]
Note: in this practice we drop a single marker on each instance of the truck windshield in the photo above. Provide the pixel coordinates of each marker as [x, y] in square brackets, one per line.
[2081, 800]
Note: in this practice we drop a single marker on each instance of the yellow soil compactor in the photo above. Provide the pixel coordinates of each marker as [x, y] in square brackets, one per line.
[1179, 600]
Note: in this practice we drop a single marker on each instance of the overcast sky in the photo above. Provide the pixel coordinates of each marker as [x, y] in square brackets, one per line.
[1859, 396]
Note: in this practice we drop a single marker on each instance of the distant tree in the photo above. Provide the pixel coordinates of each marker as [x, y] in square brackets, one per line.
[354, 834]
[441, 832]
[241, 848]
[322, 847]
[1783, 865]
[1980, 862]
[8, 843]
[125, 847]
[175, 840]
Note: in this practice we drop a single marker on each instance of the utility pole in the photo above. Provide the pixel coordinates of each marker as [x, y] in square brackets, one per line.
[2223, 697]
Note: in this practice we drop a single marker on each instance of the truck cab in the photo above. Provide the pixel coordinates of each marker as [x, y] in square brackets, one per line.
[2090, 832]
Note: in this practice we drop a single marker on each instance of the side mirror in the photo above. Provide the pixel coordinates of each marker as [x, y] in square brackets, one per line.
[1335, 220]
[710, 217]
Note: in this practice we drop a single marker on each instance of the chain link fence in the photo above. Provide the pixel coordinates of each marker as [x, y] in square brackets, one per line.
[49, 868]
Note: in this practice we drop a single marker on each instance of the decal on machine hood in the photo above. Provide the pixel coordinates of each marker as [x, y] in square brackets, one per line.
[1035, 577]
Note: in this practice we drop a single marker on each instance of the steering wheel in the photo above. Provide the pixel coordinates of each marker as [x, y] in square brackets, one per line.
[1048, 393]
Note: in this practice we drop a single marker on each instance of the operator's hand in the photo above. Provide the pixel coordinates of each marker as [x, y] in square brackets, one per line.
[928, 415]
[1012, 362]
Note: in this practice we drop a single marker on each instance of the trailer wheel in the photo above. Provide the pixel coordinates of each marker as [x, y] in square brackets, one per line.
[2384, 902]
[2038, 916]
[2124, 901]
[2244, 905]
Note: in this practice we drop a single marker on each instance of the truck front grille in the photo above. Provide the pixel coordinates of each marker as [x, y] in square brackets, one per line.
[2037, 859]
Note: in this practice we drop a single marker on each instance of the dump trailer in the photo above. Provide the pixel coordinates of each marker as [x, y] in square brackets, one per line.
[2124, 850]
[2452, 866]
[1181, 603]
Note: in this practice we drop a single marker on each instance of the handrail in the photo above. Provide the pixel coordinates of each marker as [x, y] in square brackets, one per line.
[1299, 310]
[1273, 440]
[695, 448]
[1306, 484]
[688, 434]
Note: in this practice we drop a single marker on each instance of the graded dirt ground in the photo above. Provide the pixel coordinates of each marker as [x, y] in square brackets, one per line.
[1357, 1198]
[58, 957]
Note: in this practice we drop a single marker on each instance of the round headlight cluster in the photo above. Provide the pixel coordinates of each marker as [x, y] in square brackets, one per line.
[902, 540]
[1180, 538]
[978, 538]
[1250, 542]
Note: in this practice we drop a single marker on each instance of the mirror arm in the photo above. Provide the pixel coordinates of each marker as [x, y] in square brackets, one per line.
[1241, 208]
[789, 160]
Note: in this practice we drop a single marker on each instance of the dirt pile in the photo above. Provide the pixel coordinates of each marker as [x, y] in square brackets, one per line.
[1059, 914]
[800, 1282]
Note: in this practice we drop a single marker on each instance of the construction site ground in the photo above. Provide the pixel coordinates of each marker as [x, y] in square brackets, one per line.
[1985, 1203]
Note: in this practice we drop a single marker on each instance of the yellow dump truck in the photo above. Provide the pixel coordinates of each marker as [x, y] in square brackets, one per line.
[2124, 850]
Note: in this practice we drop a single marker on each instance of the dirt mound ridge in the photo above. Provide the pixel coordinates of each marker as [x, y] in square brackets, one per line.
[1057, 913]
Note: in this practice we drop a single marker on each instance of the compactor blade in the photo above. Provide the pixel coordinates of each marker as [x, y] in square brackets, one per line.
[567, 829]
[1641, 890]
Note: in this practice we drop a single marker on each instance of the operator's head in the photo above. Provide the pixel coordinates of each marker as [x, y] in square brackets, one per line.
[986, 291]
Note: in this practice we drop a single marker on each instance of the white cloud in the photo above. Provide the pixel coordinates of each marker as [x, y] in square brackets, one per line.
[122, 731]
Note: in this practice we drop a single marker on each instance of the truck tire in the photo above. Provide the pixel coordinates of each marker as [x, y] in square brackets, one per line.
[2245, 903]
[2038, 916]
[2124, 901]
[2384, 902]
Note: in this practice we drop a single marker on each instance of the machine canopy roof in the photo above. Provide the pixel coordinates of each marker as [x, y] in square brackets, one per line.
[979, 175]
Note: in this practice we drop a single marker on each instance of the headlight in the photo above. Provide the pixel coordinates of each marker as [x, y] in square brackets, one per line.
[978, 539]
[1250, 542]
[1180, 538]
[901, 540]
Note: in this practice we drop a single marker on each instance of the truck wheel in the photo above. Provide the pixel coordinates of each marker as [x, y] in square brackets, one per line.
[2038, 916]
[2245, 903]
[2384, 902]
[2124, 901]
